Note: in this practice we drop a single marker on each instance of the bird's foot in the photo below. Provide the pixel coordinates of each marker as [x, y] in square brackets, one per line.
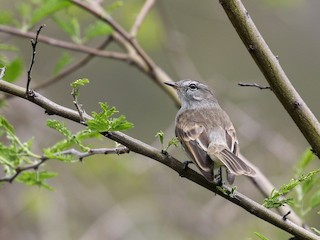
[218, 178]
[184, 168]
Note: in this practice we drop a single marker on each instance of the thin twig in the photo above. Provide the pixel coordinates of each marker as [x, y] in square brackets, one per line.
[141, 16]
[105, 151]
[254, 85]
[34, 43]
[79, 108]
[78, 154]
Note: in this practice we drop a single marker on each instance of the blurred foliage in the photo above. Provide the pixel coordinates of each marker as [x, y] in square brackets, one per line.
[261, 236]
[306, 186]
[151, 33]
[13, 67]
[64, 61]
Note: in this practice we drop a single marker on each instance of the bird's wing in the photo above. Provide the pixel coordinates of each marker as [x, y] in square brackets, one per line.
[224, 146]
[195, 142]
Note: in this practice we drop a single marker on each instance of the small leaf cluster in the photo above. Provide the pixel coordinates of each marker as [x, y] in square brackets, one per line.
[70, 140]
[104, 122]
[277, 199]
[172, 142]
[13, 152]
[303, 184]
[16, 154]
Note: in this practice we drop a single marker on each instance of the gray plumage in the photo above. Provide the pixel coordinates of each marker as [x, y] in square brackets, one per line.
[206, 132]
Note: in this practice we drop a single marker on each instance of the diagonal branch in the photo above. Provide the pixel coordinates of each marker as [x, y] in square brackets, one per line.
[144, 149]
[141, 16]
[273, 72]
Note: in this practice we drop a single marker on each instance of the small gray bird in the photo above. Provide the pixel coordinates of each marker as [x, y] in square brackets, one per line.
[206, 132]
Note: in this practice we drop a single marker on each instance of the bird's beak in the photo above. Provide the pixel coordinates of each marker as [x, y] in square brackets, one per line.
[172, 84]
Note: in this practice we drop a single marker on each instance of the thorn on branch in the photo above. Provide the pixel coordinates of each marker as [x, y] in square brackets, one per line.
[254, 85]
[34, 42]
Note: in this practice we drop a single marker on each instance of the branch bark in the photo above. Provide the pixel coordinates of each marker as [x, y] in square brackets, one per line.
[142, 148]
[273, 72]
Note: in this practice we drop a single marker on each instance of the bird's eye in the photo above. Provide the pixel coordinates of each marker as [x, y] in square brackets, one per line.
[192, 86]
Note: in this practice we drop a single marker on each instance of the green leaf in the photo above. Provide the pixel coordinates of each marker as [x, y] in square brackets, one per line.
[304, 161]
[173, 142]
[71, 26]
[102, 122]
[53, 152]
[276, 198]
[114, 6]
[315, 200]
[7, 47]
[99, 28]
[64, 60]
[47, 8]
[76, 86]
[36, 178]
[160, 135]
[25, 10]
[79, 82]
[14, 70]
[6, 17]
[260, 236]
[316, 230]
[6, 125]
[60, 127]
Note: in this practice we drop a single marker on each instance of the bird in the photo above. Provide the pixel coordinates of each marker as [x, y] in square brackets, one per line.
[206, 132]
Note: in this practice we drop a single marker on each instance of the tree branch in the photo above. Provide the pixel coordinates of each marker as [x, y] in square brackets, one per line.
[65, 45]
[144, 149]
[273, 72]
[143, 13]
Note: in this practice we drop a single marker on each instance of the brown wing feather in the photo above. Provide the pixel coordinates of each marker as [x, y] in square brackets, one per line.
[235, 164]
[195, 142]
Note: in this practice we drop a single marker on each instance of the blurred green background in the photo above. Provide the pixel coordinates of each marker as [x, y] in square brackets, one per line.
[130, 196]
